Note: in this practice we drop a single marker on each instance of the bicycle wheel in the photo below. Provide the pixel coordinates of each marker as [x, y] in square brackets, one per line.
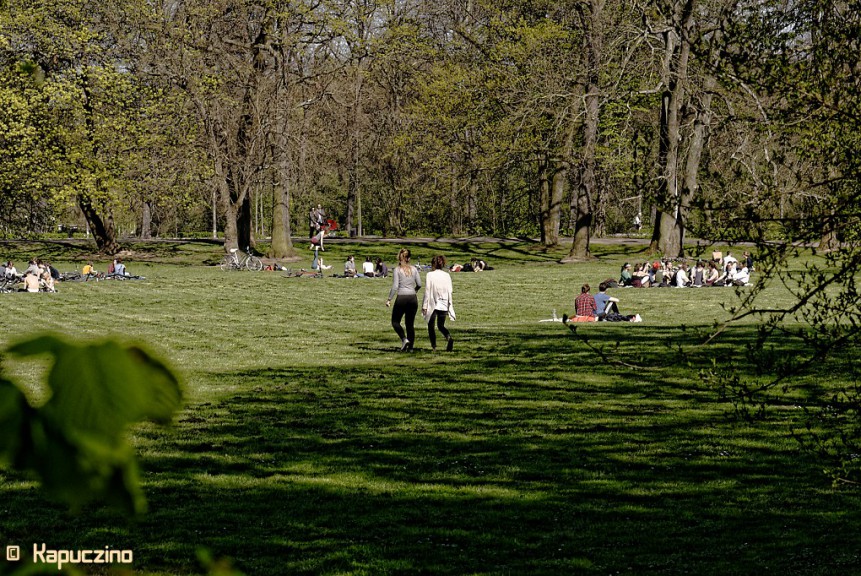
[227, 263]
[254, 263]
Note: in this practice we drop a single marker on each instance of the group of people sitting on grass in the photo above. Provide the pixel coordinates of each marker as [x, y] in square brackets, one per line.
[115, 268]
[370, 268]
[720, 271]
[38, 277]
[378, 268]
[598, 308]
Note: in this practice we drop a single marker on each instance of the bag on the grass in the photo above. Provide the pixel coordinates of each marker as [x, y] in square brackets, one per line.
[614, 317]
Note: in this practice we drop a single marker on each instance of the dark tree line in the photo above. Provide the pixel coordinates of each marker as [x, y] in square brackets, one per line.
[541, 118]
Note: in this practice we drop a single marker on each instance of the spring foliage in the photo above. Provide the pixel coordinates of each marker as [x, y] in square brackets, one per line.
[75, 442]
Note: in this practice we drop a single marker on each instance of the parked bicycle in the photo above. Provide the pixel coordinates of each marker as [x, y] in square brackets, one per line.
[239, 260]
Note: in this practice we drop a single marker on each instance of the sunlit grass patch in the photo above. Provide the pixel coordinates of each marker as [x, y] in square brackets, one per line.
[309, 445]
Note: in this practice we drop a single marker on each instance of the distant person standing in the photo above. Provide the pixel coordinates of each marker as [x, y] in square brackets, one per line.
[406, 282]
[316, 220]
[437, 304]
[313, 226]
[638, 222]
[748, 260]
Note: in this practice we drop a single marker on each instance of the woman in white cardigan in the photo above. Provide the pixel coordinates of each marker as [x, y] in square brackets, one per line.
[437, 304]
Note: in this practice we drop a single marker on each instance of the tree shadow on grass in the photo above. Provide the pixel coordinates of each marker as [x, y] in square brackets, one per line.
[474, 464]
[348, 476]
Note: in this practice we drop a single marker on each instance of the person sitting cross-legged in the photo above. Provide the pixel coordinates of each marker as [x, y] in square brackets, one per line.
[585, 309]
[31, 282]
[350, 267]
[368, 268]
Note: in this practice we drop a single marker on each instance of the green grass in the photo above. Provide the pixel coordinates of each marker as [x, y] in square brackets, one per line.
[309, 446]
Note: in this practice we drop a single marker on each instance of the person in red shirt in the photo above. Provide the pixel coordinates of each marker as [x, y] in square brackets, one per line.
[585, 309]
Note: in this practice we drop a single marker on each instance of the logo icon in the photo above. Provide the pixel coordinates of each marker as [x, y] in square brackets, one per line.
[13, 553]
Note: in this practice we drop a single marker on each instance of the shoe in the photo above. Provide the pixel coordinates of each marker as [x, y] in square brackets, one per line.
[449, 346]
[405, 345]
[565, 318]
[637, 318]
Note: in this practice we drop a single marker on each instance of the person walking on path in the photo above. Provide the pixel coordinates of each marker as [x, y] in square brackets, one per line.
[437, 304]
[406, 282]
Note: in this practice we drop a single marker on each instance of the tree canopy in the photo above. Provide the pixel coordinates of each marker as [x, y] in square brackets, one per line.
[402, 116]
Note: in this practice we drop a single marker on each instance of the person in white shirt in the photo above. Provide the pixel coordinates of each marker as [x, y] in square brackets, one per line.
[10, 271]
[682, 279]
[437, 304]
[741, 276]
[368, 268]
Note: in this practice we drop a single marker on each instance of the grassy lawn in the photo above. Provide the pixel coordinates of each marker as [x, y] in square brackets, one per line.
[309, 446]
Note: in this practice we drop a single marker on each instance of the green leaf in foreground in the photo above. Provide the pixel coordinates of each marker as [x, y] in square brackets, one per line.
[76, 441]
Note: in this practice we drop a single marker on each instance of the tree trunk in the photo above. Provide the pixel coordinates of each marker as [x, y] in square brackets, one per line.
[699, 137]
[668, 232]
[455, 206]
[587, 191]
[244, 232]
[544, 201]
[146, 221]
[354, 223]
[557, 196]
[103, 231]
[214, 215]
[582, 225]
[282, 244]
[830, 239]
[231, 234]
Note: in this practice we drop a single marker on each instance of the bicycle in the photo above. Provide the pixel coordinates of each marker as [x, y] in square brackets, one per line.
[246, 261]
[8, 285]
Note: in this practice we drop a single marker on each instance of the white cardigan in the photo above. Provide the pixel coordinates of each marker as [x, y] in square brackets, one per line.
[437, 287]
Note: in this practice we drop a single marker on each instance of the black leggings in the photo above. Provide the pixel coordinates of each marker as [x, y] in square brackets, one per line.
[405, 307]
[439, 316]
